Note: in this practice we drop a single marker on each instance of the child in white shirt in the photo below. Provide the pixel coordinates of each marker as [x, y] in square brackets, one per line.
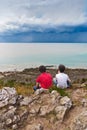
[61, 79]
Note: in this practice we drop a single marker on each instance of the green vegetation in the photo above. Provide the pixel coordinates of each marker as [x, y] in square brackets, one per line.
[61, 91]
[83, 80]
[26, 88]
[1, 82]
[10, 83]
[22, 88]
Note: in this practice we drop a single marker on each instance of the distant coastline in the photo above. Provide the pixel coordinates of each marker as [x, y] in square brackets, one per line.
[14, 68]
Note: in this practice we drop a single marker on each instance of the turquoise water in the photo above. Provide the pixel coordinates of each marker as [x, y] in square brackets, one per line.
[21, 55]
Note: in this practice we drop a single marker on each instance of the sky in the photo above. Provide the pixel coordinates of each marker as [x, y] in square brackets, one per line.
[43, 21]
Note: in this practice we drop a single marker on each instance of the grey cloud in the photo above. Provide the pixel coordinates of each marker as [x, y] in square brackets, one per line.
[41, 12]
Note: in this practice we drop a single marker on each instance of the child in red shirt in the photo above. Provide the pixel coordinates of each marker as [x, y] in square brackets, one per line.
[44, 80]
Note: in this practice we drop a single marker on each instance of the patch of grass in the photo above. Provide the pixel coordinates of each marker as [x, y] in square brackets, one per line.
[61, 91]
[1, 82]
[10, 83]
[24, 90]
[85, 87]
[1, 87]
[83, 80]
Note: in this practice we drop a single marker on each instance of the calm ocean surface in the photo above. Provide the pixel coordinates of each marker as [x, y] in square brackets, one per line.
[25, 55]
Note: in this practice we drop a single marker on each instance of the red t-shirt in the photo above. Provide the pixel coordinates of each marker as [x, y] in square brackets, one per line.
[45, 80]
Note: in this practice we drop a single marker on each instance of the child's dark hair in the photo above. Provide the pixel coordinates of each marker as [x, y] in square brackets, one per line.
[42, 69]
[61, 68]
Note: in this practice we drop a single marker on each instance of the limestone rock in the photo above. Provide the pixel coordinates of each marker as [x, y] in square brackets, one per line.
[55, 96]
[8, 121]
[80, 122]
[84, 102]
[60, 112]
[41, 90]
[66, 102]
[34, 127]
[84, 84]
[14, 127]
[7, 96]
[37, 110]
[26, 101]
[10, 117]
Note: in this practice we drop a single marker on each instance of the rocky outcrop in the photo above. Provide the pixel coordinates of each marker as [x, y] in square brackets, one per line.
[39, 110]
[11, 114]
[7, 96]
[80, 121]
[42, 111]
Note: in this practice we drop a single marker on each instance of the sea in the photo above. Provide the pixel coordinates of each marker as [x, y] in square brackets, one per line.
[18, 56]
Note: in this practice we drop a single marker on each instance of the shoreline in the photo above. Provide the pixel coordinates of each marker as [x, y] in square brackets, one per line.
[29, 75]
[19, 68]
